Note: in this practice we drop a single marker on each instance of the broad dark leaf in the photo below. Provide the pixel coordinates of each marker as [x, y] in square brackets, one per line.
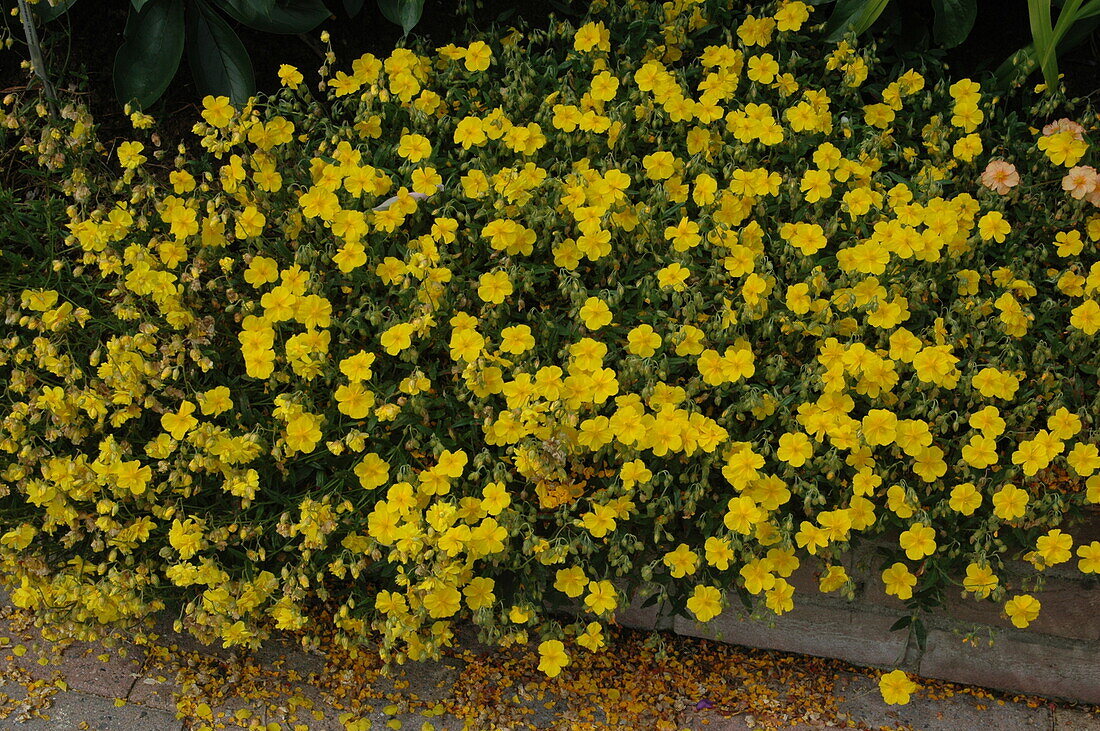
[954, 21]
[45, 13]
[148, 58]
[855, 16]
[217, 57]
[405, 13]
[281, 16]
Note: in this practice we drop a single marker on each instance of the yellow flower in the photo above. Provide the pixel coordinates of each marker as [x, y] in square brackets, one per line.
[516, 339]
[372, 471]
[643, 341]
[705, 603]
[980, 452]
[659, 165]
[1084, 459]
[442, 601]
[816, 185]
[592, 36]
[1010, 502]
[552, 657]
[1086, 317]
[181, 422]
[989, 421]
[1054, 547]
[833, 579]
[757, 575]
[899, 581]
[1063, 148]
[980, 580]
[779, 598]
[413, 147]
[1090, 558]
[795, 449]
[879, 427]
[682, 561]
[495, 498]
[592, 637]
[261, 270]
[494, 287]
[215, 401]
[993, 226]
[571, 582]
[129, 154]
[763, 68]
[719, 552]
[1022, 609]
[595, 313]
[397, 338]
[479, 593]
[477, 57]
[896, 687]
[965, 498]
[918, 541]
[289, 76]
[187, 537]
[674, 277]
[601, 597]
[217, 111]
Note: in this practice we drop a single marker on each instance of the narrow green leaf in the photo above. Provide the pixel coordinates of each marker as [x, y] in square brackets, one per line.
[148, 58]
[218, 59]
[405, 13]
[902, 623]
[1038, 12]
[954, 21]
[921, 633]
[281, 16]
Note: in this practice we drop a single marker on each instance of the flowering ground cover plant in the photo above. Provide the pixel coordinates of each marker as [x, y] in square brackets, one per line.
[670, 298]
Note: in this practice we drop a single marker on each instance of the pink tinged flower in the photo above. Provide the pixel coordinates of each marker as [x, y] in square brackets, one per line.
[1080, 181]
[1000, 176]
[1064, 125]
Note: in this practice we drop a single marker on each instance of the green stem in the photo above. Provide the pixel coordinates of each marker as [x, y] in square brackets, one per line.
[38, 66]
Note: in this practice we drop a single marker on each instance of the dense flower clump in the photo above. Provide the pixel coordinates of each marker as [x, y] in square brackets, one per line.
[673, 298]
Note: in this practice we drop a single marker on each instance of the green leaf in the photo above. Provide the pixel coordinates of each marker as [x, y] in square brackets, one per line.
[218, 59]
[148, 58]
[853, 15]
[405, 13]
[46, 13]
[921, 633]
[353, 7]
[138, 4]
[954, 21]
[285, 16]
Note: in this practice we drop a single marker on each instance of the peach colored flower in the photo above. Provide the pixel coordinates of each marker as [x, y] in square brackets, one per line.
[1094, 196]
[1080, 181]
[1000, 176]
[1064, 125]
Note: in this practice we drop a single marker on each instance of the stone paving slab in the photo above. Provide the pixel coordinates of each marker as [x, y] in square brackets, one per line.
[286, 685]
[864, 703]
[72, 709]
[1069, 669]
[104, 671]
[1076, 719]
